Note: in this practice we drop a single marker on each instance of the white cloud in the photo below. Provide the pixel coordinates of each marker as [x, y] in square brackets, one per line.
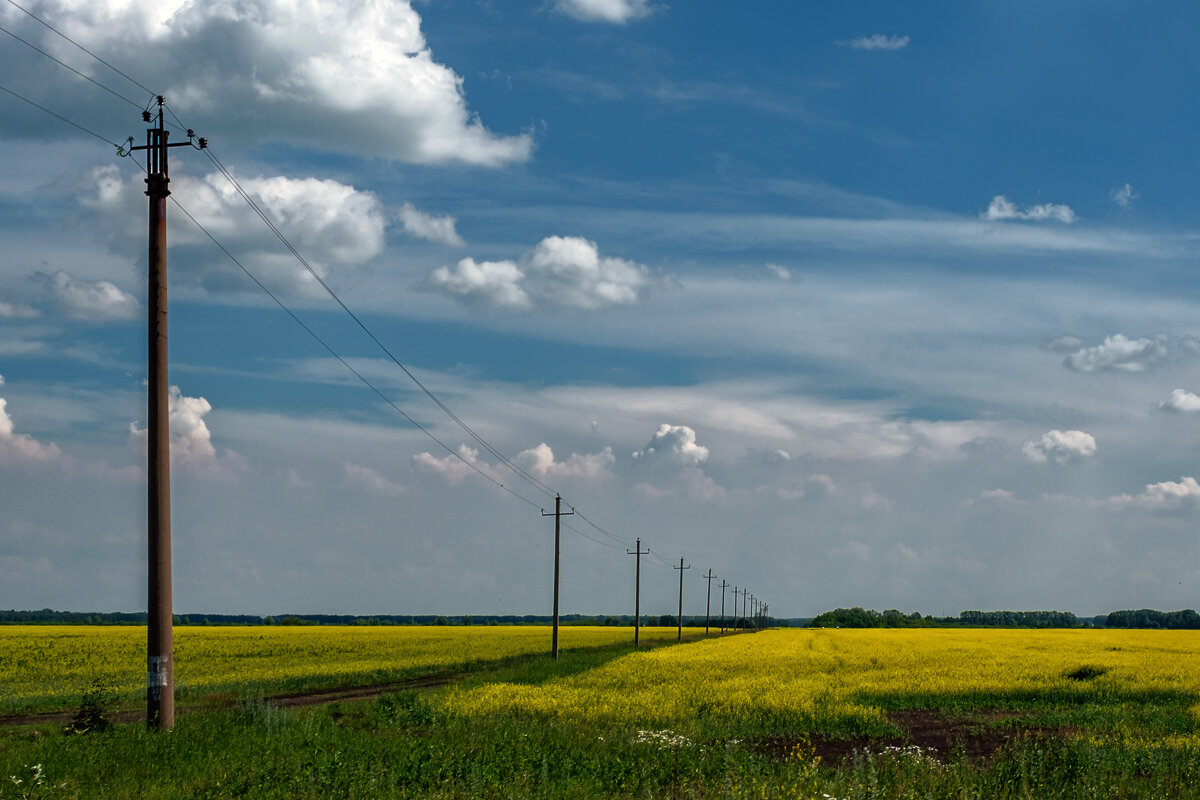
[1119, 354]
[783, 273]
[22, 450]
[1001, 208]
[572, 273]
[192, 450]
[615, 11]
[876, 41]
[348, 76]
[674, 443]
[17, 311]
[428, 226]
[1064, 344]
[1124, 196]
[1162, 497]
[96, 301]
[1180, 401]
[489, 283]
[1060, 447]
[371, 480]
[453, 469]
[540, 462]
[769, 455]
[561, 270]
[332, 224]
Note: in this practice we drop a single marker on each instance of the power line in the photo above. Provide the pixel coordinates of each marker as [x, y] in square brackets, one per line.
[61, 117]
[523, 474]
[345, 363]
[132, 80]
[72, 69]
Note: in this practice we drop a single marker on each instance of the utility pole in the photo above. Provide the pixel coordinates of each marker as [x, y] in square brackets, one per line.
[160, 642]
[745, 594]
[735, 599]
[723, 586]
[558, 514]
[681, 568]
[708, 602]
[637, 590]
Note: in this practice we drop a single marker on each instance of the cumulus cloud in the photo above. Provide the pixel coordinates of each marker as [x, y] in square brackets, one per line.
[19, 449]
[453, 469]
[540, 462]
[17, 311]
[95, 301]
[369, 479]
[1123, 196]
[1064, 344]
[563, 271]
[876, 41]
[615, 11]
[1060, 447]
[573, 273]
[488, 283]
[192, 450]
[1001, 208]
[429, 227]
[1180, 401]
[1119, 354]
[346, 76]
[769, 455]
[332, 224]
[675, 444]
[783, 273]
[1164, 497]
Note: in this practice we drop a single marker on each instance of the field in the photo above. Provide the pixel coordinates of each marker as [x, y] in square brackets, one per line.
[800, 713]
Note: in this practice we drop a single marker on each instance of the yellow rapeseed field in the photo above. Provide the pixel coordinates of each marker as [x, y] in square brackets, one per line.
[45, 665]
[845, 679]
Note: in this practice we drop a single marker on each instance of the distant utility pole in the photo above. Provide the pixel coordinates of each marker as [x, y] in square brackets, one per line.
[708, 602]
[160, 642]
[735, 599]
[681, 568]
[637, 590]
[745, 594]
[558, 514]
[723, 586]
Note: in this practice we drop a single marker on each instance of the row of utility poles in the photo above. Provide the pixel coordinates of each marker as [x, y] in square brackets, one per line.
[758, 610]
[160, 661]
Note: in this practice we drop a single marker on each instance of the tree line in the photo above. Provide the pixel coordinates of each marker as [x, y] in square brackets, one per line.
[869, 618]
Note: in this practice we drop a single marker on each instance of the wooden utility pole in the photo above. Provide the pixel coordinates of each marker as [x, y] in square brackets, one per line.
[735, 599]
[723, 587]
[160, 645]
[637, 590]
[679, 620]
[558, 514]
[745, 594]
[708, 602]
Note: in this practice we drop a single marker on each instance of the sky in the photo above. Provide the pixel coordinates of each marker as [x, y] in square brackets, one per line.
[872, 304]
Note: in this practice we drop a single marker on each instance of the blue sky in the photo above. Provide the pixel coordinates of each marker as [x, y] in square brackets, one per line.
[864, 304]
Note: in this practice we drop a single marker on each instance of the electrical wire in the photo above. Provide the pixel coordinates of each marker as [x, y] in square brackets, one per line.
[113, 92]
[343, 361]
[129, 78]
[523, 474]
[60, 116]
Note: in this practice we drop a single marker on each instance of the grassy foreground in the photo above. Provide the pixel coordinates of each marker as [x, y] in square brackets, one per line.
[842, 714]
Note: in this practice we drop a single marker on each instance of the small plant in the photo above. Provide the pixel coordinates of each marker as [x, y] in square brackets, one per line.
[91, 717]
[33, 785]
